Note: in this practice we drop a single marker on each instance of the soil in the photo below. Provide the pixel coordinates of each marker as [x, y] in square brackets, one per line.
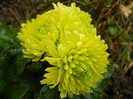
[120, 86]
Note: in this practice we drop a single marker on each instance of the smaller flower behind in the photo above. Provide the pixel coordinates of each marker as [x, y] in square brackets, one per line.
[77, 55]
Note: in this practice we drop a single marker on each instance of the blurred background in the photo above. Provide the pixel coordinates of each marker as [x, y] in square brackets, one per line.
[113, 20]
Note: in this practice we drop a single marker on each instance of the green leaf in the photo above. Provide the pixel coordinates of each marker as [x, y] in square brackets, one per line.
[18, 93]
[109, 73]
[5, 33]
[20, 63]
[2, 85]
[110, 21]
[47, 93]
[113, 30]
[93, 95]
[3, 41]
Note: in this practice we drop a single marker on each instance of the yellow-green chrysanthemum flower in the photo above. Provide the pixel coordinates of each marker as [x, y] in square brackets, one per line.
[77, 55]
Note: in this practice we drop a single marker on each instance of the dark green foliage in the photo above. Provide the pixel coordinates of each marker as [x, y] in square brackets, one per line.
[110, 21]
[113, 30]
[48, 93]
[15, 78]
